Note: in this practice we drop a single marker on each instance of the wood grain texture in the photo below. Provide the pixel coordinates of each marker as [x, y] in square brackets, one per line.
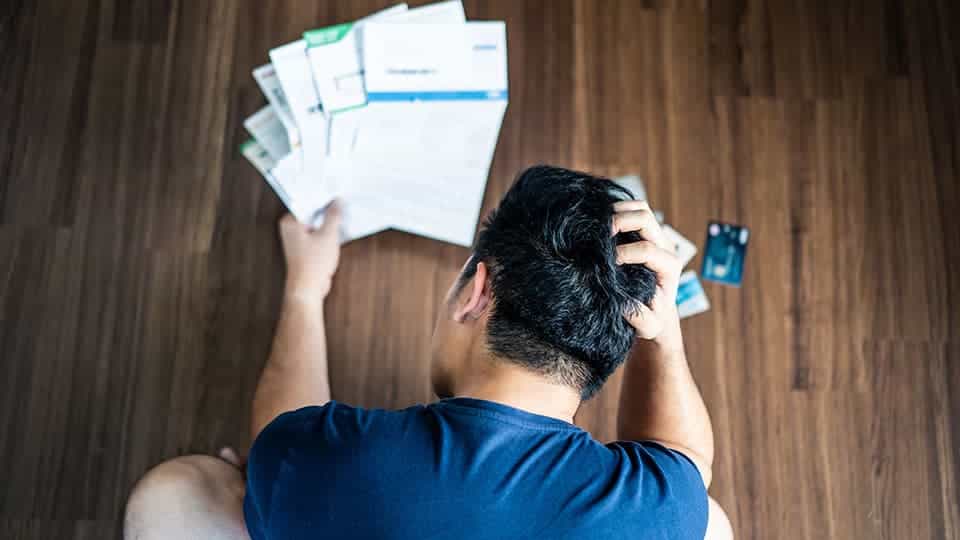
[140, 274]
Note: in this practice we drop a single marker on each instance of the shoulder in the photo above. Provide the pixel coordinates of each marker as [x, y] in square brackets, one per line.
[665, 478]
[330, 423]
[662, 468]
[308, 440]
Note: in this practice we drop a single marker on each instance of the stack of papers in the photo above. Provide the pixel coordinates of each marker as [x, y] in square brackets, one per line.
[396, 114]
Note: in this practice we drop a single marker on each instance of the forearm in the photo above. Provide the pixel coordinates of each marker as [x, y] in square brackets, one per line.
[296, 373]
[660, 401]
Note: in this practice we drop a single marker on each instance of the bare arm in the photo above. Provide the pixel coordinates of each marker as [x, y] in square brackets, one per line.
[296, 373]
[660, 401]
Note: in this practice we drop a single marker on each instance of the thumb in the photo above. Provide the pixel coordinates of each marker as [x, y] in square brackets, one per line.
[646, 323]
[332, 217]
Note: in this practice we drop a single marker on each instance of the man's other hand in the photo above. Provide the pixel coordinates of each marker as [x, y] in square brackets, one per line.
[311, 255]
[658, 322]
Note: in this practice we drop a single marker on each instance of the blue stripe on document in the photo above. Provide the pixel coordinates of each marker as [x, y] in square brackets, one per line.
[455, 95]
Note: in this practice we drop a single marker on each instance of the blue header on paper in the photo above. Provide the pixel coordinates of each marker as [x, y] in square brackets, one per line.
[454, 95]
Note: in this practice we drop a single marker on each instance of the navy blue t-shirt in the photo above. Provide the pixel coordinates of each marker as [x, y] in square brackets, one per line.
[466, 469]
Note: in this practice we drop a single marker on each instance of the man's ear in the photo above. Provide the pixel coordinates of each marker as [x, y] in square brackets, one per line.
[475, 297]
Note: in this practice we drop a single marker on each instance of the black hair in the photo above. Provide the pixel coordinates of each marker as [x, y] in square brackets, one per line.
[559, 296]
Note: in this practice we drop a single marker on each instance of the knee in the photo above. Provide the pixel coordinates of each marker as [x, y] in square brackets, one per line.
[172, 478]
[718, 524]
[196, 490]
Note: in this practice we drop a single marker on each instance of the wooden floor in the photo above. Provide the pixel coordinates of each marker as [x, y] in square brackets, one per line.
[140, 273]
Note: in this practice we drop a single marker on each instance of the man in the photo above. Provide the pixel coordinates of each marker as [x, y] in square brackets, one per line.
[566, 276]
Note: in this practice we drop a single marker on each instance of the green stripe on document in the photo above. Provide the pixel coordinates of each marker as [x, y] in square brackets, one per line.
[326, 36]
[349, 108]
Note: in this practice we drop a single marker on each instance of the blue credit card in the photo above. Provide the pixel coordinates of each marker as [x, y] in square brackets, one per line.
[725, 252]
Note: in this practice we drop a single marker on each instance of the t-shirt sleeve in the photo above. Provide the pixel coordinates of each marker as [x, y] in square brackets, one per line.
[671, 480]
[267, 457]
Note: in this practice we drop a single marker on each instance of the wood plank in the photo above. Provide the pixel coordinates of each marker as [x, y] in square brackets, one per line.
[45, 111]
[140, 273]
[66, 530]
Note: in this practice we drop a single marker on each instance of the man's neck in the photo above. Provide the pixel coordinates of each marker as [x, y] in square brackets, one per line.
[510, 384]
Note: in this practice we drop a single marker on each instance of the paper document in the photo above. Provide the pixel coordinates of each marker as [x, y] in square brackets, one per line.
[436, 97]
[266, 128]
[261, 160]
[334, 54]
[269, 83]
[396, 114]
[336, 57]
[358, 222]
[450, 11]
[293, 69]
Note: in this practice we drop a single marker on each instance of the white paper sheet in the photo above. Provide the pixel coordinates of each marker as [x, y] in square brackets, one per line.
[307, 199]
[415, 153]
[268, 130]
[266, 77]
[293, 69]
[450, 11]
[334, 54]
[264, 163]
[436, 97]
[336, 57]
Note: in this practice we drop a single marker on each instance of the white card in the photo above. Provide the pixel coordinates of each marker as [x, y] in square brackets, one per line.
[691, 299]
[683, 248]
[633, 184]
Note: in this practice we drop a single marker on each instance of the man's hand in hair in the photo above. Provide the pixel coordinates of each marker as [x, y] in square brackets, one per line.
[660, 321]
[662, 403]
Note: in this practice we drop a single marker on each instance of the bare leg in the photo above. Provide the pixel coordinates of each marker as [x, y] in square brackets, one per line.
[187, 497]
[718, 524]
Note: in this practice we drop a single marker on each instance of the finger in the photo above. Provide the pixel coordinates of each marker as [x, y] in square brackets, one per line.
[289, 228]
[332, 216]
[287, 220]
[628, 206]
[646, 323]
[663, 262]
[230, 456]
[644, 223]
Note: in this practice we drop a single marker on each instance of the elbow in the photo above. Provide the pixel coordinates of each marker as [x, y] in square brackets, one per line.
[706, 473]
[704, 465]
[702, 461]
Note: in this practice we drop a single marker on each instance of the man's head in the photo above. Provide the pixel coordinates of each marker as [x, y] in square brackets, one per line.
[542, 288]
